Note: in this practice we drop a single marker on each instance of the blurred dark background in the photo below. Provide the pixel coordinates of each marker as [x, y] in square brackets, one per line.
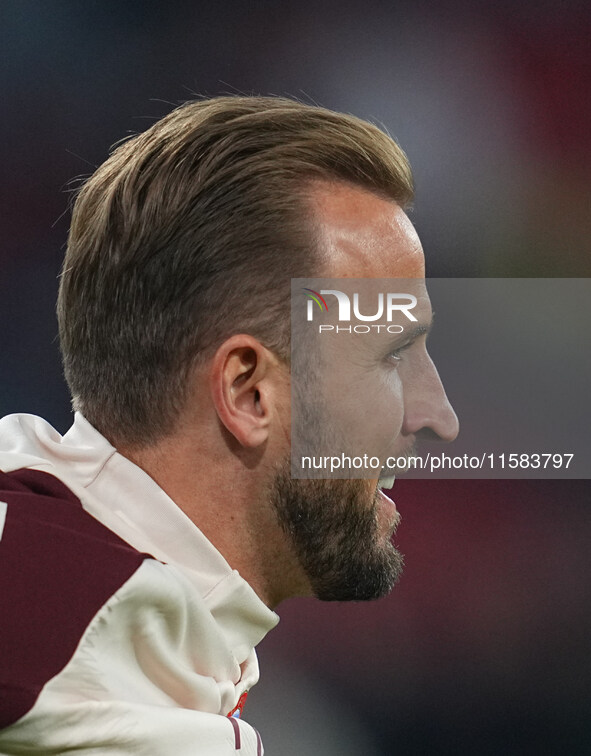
[484, 646]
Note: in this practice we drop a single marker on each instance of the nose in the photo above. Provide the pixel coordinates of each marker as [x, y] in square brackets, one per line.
[427, 410]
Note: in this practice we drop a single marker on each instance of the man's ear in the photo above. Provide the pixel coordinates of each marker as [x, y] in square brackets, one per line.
[241, 381]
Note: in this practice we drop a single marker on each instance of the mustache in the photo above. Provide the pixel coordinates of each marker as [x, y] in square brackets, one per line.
[399, 463]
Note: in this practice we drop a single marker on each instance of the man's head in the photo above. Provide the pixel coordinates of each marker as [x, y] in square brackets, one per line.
[190, 233]
[174, 313]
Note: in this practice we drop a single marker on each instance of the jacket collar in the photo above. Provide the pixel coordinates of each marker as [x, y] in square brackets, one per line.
[129, 502]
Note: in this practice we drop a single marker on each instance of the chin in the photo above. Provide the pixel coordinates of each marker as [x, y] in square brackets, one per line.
[340, 531]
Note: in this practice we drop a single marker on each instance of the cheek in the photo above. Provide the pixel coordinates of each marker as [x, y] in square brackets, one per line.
[371, 416]
[388, 410]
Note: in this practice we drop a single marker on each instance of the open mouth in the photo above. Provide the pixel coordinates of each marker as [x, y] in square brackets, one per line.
[386, 482]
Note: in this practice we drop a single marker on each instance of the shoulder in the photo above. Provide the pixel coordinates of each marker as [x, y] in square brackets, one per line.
[58, 567]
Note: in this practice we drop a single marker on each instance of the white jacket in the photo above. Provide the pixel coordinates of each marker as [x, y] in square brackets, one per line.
[122, 629]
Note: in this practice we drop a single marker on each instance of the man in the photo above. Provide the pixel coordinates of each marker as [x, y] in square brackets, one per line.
[143, 552]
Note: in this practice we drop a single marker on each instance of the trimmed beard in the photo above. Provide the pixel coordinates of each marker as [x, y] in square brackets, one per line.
[333, 527]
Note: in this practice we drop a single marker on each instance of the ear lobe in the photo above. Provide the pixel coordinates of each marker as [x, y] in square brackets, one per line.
[241, 390]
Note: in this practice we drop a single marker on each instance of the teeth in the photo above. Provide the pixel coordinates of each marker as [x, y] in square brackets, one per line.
[386, 483]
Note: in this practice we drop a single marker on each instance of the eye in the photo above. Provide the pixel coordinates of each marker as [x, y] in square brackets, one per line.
[395, 355]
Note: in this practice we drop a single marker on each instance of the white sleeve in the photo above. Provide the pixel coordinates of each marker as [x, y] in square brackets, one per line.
[121, 729]
[151, 676]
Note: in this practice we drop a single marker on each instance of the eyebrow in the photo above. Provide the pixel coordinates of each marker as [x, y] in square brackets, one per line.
[416, 331]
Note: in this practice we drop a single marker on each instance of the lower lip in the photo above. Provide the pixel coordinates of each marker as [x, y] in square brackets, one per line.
[387, 503]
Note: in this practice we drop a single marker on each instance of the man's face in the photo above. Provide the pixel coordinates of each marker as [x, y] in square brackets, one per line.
[379, 394]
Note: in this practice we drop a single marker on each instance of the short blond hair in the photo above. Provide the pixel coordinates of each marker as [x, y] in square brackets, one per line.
[190, 232]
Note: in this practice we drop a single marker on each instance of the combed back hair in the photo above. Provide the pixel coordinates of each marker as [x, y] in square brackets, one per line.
[189, 233]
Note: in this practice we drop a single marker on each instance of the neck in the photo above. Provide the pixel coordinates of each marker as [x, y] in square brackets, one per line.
[228, 499]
